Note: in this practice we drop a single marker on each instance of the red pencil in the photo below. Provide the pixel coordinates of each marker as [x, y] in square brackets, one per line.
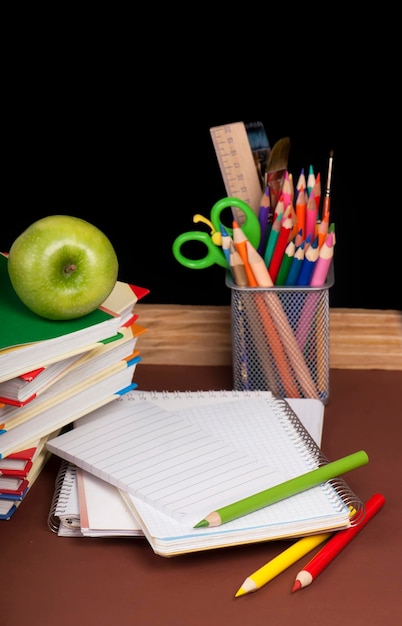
[280, 247]
[317, 190]
[337, 542]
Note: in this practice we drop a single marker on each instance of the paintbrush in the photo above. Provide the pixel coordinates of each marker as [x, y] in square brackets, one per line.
[276, 168]
[327, 197]
[259, 144]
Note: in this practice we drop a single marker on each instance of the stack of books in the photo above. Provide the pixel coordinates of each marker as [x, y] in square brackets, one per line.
[54, 372]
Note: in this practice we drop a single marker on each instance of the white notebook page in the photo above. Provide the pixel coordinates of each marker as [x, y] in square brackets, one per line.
[155, 455]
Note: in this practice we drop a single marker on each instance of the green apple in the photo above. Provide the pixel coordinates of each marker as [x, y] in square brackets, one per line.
[62, 267]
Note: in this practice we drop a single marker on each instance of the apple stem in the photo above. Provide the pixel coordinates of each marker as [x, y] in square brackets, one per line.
[69, 269]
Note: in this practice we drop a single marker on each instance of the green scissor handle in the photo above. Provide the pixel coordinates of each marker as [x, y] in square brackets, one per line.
[215, 254]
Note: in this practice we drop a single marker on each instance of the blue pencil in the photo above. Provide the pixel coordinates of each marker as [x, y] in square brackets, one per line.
[295, 266]
[309, 261]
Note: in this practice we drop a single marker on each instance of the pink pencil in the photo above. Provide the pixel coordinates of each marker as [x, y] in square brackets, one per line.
[287, 190]
[323, 263]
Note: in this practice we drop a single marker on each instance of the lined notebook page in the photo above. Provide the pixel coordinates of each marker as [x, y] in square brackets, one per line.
[310, 411]
[168, 460]
[103, 512]
[187, 463]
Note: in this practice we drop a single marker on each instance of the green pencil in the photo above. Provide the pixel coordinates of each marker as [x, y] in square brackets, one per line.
[285, 263]
[284, 490]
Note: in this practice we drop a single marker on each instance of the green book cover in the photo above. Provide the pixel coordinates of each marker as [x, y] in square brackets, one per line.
[19, 325]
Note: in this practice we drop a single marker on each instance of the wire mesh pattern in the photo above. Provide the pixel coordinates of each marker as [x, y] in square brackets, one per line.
[280, 339]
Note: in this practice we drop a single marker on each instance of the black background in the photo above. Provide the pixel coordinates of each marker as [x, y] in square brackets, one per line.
[121, 138]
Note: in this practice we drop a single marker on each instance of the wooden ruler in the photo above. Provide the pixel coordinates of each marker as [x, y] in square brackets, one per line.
[237, 166]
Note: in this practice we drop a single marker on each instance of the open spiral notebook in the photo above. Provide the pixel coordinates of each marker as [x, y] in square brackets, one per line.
[172, 466]
[85, 505]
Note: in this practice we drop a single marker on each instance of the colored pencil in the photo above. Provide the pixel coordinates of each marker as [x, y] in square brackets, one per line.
[299, 366]
[295, 227]
[274, 363]
[279, 250]
[311, 218]
[301, 181]
[321, 267]
[322, 229]
[317, 190]
[310, 180]
[287, 190]
[300, 207]
[272, 239]
[285, 263]
[299, 239]
[237, 267]
[264, 218]
[240, 242]
[280, 563]
[306, 270]
[338, 541]
[295, 267]
[258, 267]
[226, 239]
[284, 490]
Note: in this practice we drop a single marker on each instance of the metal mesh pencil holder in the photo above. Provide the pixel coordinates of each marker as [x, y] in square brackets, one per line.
[280, 339]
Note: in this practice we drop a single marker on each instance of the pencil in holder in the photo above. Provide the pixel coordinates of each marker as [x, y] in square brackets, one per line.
[280, 339]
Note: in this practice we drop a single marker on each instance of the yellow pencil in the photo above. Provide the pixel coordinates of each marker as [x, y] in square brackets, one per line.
[277, 565]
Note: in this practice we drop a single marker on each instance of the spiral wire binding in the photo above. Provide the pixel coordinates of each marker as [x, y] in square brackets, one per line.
[337, 489]
[63, 483]
[210, 393]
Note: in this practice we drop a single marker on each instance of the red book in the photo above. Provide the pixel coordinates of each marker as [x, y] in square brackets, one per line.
[12, 486]
[17, 464]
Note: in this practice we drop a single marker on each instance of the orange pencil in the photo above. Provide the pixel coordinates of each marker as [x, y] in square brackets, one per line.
[295, 227]
[237, 267]
[282, 372]
[322, 229]
[240, 242]
[311, 218]
[301, 206]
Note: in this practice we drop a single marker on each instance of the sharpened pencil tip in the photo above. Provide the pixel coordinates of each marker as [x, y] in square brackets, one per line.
[296, 586]
[240, 592]
[202, 524]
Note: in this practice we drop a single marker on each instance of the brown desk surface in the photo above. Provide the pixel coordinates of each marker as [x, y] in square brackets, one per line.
[49, 580]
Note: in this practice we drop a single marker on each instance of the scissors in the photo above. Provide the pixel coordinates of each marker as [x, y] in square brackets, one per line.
[213, 241]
